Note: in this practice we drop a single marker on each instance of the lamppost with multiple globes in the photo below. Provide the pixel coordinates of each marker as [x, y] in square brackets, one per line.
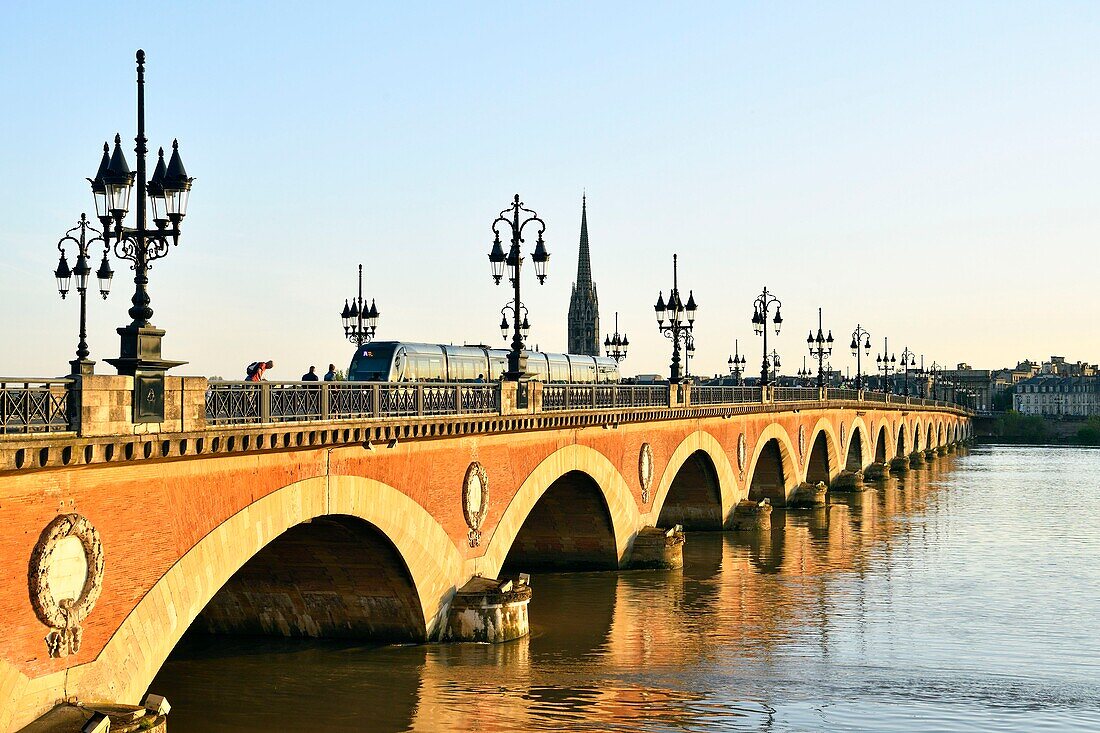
[804, 373]
[861, 344]
[772, 364]
[615, 346]
[908, 359]
[939, 387]
[886, 363]
[360, 322]
[516, 218]
[166, 193]
[681, 321]
[736, 364]
[821, 347]
[761, 307]
[82, 270]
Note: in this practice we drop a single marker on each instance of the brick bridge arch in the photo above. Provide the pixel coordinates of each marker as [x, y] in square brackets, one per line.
[857, 454]
[136, 651]
[773, 472]
[822, 460]
[690, 451]
[620, 504]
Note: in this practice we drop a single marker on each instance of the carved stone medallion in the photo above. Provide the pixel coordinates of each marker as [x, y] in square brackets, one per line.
[65, 577]
[645, 470]
[741, 454]
[801, 441]
[475, 500]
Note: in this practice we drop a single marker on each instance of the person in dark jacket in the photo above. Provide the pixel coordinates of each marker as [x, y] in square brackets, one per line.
[311, 375]
[330, 375]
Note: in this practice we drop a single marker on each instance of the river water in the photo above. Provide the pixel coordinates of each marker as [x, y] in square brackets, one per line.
[963, 597]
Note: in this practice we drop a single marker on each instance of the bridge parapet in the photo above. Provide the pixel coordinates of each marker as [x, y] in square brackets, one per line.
[88, 420]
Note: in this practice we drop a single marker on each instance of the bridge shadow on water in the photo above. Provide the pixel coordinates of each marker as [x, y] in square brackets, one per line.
[633, 650]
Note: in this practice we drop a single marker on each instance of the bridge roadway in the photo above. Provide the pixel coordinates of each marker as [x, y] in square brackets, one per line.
[308, 510]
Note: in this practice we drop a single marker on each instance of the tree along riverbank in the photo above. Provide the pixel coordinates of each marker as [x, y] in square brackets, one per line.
[1016, 427]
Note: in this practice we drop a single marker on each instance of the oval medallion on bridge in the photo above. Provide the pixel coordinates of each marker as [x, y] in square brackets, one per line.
[645, 470]
[475, 500]
[741, 455]
[801, 441]
[65, 578]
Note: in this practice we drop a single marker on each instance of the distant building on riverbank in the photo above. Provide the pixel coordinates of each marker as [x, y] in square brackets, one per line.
[1055, 396]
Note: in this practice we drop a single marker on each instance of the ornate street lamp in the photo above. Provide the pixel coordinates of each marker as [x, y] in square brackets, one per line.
[761, 307]
[82, 365]
[736, 364]
[689, 354]
[908, 359]
[505, 322]
[516, 217]
[615, 346]
[681, 321]
[772, 363]
[934, 372]
[860, 336]
[167, 194]
[886, 363]
[360, 322]
[804, 373]
[821, 347]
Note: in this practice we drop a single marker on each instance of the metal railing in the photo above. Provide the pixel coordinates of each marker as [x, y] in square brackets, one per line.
[721, 395]
[841, 393]
[796, 394]
[234, 403]
[559, 397]
[34, 405]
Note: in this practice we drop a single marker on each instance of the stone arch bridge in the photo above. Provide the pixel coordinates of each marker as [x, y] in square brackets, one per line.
[241, 514]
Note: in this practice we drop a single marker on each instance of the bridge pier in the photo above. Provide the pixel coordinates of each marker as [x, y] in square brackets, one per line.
[876, 472]
[916, 458]
[658, 549]
[489, 611]
[900, 465]
[848, 481]
[750, 515]
[929, 455]
[806, 495]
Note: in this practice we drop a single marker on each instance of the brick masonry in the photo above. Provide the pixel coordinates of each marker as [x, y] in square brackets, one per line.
[176, 529]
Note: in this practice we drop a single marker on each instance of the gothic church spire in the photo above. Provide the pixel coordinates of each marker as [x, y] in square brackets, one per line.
[584, 308]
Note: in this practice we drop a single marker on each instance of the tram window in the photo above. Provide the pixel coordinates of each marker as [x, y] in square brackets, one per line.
[583, 373]
[429, 368]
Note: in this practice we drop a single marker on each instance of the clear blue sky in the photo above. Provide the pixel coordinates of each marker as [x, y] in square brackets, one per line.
[927, 169]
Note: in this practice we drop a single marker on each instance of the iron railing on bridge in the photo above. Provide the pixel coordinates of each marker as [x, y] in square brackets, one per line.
[723, 395]
[559, 397]
[796, 394]
[34, 405]
[841, 393]
[233, 403]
